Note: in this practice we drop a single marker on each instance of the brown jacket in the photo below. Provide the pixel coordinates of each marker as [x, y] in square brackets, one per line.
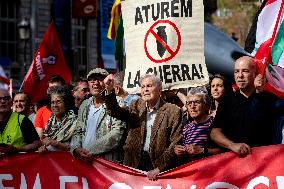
[165, 134]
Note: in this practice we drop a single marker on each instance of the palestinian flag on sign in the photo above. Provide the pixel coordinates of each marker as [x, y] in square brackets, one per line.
[267, 33]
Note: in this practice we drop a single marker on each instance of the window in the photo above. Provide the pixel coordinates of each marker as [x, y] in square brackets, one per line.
[79, 46]
[8, 32]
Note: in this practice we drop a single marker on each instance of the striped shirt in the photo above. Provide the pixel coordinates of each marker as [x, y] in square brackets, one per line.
[196, 133]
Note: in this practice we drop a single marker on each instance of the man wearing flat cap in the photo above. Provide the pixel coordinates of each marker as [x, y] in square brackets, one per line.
[97, 133]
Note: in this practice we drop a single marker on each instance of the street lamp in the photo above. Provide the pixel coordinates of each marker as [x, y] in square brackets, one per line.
[24, 34]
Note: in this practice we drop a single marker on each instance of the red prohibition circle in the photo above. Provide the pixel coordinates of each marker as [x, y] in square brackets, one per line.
[173, 53]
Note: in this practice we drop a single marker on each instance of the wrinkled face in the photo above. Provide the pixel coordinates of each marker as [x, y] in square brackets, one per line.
[83, 90]
[96, 84]
[196, 107]
[217, 89]
[81, 93]
[150, 92]
[244, 74]
[20, 103]
[57, 105]
[5, 101]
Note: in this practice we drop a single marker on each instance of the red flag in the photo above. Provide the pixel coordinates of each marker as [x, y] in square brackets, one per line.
[48, 61]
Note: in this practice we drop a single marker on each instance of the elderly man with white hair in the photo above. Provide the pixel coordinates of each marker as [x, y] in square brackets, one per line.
[154, 127]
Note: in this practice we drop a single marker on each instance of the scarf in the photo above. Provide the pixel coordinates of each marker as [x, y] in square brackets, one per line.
[61, 131]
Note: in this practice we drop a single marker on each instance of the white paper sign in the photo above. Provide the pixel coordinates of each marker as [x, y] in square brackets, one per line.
[165, 38]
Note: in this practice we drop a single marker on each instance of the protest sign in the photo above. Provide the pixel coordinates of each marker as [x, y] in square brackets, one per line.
[165, 38]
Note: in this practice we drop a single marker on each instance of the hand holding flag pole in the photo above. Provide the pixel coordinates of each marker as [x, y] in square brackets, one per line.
[267, 36]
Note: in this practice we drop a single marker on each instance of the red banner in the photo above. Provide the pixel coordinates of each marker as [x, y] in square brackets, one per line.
[48, 61]
[262, 169]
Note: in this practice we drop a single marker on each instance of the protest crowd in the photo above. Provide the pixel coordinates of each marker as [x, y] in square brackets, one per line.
[154, 130]
[97, 117]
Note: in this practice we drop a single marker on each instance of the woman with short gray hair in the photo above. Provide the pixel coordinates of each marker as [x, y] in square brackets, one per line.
[195, 133]
[200, 91]
[62, 123]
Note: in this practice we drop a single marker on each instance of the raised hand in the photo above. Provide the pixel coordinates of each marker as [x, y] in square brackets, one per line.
[109, 83]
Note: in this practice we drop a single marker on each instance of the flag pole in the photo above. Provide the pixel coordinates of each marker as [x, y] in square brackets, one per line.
[24, 79]
[21, 86]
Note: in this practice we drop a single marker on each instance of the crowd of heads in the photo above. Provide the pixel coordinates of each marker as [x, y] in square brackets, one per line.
[201, 103]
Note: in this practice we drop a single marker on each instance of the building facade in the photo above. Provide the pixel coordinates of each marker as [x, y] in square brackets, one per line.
[78, 36]
[83, 39]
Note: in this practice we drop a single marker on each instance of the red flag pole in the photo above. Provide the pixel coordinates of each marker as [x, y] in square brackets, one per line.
[25, 77]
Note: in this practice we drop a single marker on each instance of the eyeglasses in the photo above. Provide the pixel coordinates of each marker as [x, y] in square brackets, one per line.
[195, 102]
[57, 102]
[5, 98]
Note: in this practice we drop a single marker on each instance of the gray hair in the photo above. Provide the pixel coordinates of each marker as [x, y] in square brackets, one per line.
[154, 78]
[200, 91]
[78, 82]
[65, 93]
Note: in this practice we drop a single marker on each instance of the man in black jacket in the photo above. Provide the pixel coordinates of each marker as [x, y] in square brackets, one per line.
[245, 118]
